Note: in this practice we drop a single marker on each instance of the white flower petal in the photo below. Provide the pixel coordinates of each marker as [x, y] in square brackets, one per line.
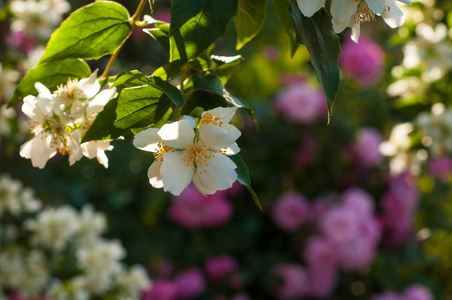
[376, 5]
[39, 149]
[338, 26]
[30, 109]
[232, 149]
[90, 86]
[343, 10]
[147, 140]
[102, 158]
[42, 89]
[218, 174]
[394, 17]
[155, 178]
[176, 175]
[356, 28]
[310, 7]
[96, 105]
[224, 113]
[178, 134]
[217, 137]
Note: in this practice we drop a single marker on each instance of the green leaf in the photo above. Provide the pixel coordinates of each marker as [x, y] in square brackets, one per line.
[134, 108]
[170, 70]
[281, 8]
[140, 107]
[130, 79]
[209, 83]
[50, 74]
[249, 21]
[316, 33]
[170, 90]
[90, 32]
[161, 34]
[196, 24]
[225, 66]
[243, 177]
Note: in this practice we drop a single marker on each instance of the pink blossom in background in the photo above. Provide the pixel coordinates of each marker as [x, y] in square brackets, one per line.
[358, 201]
[163, 14]
[356, 254]
[271, 53]
[322, 280]
[386, 296]
[161, 290]
[365, 148]
[300, 103]
[287, 80]
[241, 296]
[320, 253]
[290, 211]
[398, 207]
[232, 191]
[417, 292]
[219, 267]
[190, 284]
[440, 167]
[363, 62]
[22, 41]
[192, 210]
[291, 281]
[340, 225]
[16, 296]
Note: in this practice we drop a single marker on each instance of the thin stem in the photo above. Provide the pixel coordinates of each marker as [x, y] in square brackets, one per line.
[136, 16]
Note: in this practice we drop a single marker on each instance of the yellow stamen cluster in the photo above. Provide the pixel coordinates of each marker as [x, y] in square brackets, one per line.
[197, 155]
[208, 118]
[70, 92]
[162, 148]
[364, 14]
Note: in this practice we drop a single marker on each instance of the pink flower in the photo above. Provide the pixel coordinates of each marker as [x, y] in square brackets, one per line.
[322, 280]
[320, 253]
[161, 290]
[220, 267]
[301, 104]
[398, 207]
[271, 53]
[22, 41]
[386, 296]
[440, 167]
[340, 225]
[291, 281]
[356, 254]
[359, 201]
[363, 62]
[241, 296]
[163, 15]
[366, 146]
[190, 284]
[417, 292]
[290, 211]
[193, 210]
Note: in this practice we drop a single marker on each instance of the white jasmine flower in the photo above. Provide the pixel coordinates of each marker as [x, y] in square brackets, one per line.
[59, 121]
[91, 224]
[186, 151]
[15, 199]
[132, 282]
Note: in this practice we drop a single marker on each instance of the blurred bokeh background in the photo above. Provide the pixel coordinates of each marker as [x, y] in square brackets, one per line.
[359, 208]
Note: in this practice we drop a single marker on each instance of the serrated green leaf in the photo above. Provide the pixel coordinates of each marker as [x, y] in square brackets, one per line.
[249, 20]
[243, 177]
[196, 24]
[281, 8]
[90, 32]
[50, 74]
[316, 33]
[170, 90]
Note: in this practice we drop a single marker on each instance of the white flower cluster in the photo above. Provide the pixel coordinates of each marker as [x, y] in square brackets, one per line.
[40, 16]
[34, 250]
[60, 119]
[8, 79]
[352, 13]
[436, 128]
[16, 199]
[187, 150]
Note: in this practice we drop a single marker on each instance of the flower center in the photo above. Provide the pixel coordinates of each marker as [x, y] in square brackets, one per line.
[364, 14]
[70, 92]
[197, 155]
[208, 118]
[162, 148]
